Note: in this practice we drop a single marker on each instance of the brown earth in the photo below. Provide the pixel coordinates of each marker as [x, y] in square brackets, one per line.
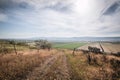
[108, 47]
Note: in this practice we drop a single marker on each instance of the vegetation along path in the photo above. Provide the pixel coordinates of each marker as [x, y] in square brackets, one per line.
[54, 67]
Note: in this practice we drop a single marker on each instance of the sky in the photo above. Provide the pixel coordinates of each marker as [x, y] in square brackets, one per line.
[59, 18]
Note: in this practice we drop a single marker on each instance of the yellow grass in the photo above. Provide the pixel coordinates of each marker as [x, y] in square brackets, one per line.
[16, 67]
[100, 68]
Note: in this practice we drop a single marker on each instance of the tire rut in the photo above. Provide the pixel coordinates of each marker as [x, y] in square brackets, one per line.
[65, 70]
[41, 70]
[54, 68]
[59, 70]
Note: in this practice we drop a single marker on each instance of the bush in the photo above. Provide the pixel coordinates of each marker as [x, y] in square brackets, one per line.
[21, 44]
[115, 65]
[43, 44]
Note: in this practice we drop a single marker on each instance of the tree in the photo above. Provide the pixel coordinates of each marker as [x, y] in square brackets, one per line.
[14, 46]
[43, 44]
[49, 46]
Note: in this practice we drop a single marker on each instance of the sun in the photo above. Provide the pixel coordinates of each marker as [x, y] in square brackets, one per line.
[84, 7]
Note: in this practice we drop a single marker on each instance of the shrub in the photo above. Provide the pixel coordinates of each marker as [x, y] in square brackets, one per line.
[43, 44]
[115, 65]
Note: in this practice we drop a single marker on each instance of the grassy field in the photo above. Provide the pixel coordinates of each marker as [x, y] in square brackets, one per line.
[94, 67]
[6, 47]
[17, 67]
[68, 45]
[56, 64]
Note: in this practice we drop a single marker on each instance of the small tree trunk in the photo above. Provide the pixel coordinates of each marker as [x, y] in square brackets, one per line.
[73, 52]
[15, 48]
[4, 49]
[89, 59]
[38, 50]
[1, 48]
[49, 49]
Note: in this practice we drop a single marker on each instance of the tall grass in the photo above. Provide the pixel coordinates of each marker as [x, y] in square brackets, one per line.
[77, 66]
[94, 66]
[16, 67]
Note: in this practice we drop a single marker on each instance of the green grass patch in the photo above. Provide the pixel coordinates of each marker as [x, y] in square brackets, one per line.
[68, 45]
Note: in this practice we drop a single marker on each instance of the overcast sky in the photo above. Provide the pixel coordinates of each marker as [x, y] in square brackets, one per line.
[59, 18]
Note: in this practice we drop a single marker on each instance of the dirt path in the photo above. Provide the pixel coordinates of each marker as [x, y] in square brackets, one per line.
[54, 67]
[114, 48]
[65, 70]
[104, 47]
[85, 47]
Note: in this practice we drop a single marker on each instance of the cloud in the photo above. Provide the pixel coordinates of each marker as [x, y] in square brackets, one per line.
[59, 7]
[113, 8]
[3, 17]
[12, 4]
[61, 17]
[6, 3]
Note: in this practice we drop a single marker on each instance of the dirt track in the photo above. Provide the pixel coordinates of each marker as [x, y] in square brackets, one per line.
[107, 47]
[54, 67]
[85, 47]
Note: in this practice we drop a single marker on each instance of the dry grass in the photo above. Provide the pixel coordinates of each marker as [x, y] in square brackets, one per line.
[100, 67]
[59, 70]
[16, 67]
[53, 72]
[77, 65]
